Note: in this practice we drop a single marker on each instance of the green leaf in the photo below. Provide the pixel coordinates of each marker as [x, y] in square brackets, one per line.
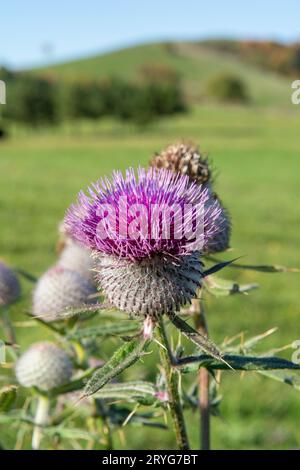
[218, 267]
[236, 362]
[263, 268]
[26, 275]
[222, 287]
[7, 397]
[74, 385]
[124, 357]
[69, 433]
[141, 392]
[110, 329]
[247, 345]
[197, 338]
[284, 377]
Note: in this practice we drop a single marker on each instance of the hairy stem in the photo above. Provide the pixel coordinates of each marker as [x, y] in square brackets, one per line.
[41, 419]
[203, 377]
[172, 387]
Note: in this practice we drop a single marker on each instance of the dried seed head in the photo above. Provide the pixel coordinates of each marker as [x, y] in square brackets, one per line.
[152, 286]
[186, 159]
[60, 289]
[10, 289]
[45, 366]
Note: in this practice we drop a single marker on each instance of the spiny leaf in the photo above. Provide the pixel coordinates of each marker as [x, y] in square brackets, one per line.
[141, 392]
[47, 325]
[7, 397]
[74, 385]
[197, 338]
[284, 377]
[26, 275]
[264, 268]
[237, 362]
[222, 287]
[124, 357]
[218, 267]
[246, 345]
[110, 329]
[69, 433]
[76, 311]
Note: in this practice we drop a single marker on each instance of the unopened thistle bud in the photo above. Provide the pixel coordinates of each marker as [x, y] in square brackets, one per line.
[59, 290]
[143, 269]
[45, 366]
[74, 256]
[10, 289]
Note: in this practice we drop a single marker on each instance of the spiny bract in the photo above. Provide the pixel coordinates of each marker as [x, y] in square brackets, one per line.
[45, 366]
[10, 289]
[150, 287]
[58, 290]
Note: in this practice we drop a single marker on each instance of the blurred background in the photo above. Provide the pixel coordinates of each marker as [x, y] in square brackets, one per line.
[103, 86]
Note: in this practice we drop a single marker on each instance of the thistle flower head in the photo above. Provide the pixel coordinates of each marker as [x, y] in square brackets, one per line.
[149, 251]
[9, 285]
[58, 290]
[139, 216]
[184, 158]
[45, 366]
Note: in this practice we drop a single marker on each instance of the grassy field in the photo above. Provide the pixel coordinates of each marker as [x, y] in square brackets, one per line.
[256, 156]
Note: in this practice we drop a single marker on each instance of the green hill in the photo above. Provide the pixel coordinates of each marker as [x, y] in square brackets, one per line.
[195, 62]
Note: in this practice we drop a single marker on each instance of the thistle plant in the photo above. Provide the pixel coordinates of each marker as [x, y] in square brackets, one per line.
[185, 158]
[152, 235]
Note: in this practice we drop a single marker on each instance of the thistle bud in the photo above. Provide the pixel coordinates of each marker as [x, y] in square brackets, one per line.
[10, 289]
[58, 290]
[45, 366]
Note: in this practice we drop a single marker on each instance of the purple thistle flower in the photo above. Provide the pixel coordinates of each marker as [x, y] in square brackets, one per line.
[143, 268]
[140, 230]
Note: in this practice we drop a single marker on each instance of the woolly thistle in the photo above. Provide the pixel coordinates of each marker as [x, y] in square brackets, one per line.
[10, 289]
[45, 366]
[185, 158]
[142, 269]
[58, 290]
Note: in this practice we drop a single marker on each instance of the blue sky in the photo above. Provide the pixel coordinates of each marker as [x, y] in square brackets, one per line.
[33, 32]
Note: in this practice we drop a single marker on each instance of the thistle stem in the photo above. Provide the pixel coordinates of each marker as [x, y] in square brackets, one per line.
[41, 419]
[172, 387]
[203, 377]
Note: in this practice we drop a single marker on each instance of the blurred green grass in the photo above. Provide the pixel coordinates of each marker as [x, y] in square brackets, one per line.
[256, 156]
